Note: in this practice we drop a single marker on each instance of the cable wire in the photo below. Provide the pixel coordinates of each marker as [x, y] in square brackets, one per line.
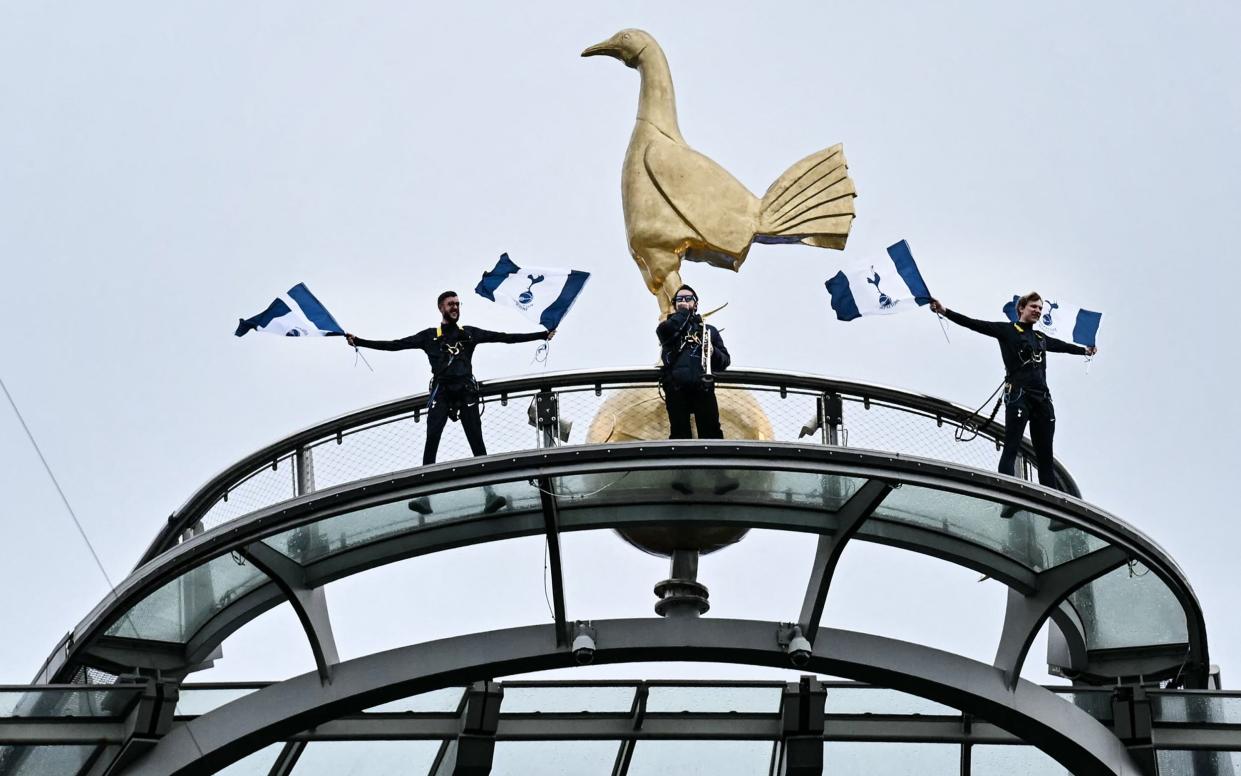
[51, 475]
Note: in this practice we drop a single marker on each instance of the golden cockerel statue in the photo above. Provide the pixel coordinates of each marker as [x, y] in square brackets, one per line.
[681, 206]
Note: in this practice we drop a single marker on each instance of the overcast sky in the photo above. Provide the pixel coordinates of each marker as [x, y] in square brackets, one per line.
[166, 168]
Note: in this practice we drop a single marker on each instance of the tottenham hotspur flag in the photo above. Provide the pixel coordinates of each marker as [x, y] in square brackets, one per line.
[883, 287]
[296, 314]
[542, 294]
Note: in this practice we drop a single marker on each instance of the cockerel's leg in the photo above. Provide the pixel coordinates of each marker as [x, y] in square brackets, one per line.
[661, 271]
[666, 269]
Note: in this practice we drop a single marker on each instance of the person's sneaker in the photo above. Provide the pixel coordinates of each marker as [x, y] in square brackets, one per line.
[494, 503]
[684, 488]
[421, 505]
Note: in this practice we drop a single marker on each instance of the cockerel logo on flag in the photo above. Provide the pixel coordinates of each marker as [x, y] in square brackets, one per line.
[542, 294]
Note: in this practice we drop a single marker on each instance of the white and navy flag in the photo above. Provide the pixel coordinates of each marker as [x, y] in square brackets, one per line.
[542, 294]
[295, 314]
[1063, 320]
[890, 285]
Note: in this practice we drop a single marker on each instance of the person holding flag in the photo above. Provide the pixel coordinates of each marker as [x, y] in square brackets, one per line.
[454, 391]
[1026, 396]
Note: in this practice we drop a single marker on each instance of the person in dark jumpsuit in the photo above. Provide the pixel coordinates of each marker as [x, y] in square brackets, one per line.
[1026, 397]
[454, 391]
[687, 388]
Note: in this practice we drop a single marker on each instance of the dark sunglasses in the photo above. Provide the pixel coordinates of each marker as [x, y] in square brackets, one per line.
[685, 299]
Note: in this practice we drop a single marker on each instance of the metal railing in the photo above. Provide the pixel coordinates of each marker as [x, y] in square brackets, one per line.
[556, 408]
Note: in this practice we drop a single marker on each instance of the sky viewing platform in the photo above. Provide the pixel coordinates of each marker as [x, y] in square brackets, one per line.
[685, 284]
[837, 462]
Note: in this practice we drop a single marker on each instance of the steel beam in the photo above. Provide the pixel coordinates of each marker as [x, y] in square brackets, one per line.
[1037, 716]
[545, 726]
[309, 603]
[1066, 641]
[849, 519]
[1025, 614]
[802, 719]
[286, 761]
[551, 522]
[472, 751]
[637, 717]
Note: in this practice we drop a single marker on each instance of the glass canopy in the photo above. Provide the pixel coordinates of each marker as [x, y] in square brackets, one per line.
[1130, 607]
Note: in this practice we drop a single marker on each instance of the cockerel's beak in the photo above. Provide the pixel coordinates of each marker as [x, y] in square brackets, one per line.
[607, 48]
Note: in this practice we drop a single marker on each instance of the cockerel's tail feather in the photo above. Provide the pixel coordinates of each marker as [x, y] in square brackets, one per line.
[812, 202]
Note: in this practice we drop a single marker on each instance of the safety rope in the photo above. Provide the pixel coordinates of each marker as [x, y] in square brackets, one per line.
[970, 427]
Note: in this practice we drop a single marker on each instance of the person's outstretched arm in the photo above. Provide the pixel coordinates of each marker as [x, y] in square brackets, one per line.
[413, 342]
[483, 336]
[1060, 346]
[987, 328]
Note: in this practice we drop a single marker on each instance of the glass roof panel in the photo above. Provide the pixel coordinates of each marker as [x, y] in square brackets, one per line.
[1182, 762]
[1096, 703]
[177, 610]
[193, 702]
[720, 698]
[729, 486]
[1107, 606]
[443, 701]
[1031, 539]
[878, 700]
[987, 760]
[885, 759]
[257, 764]
[366, 758]
[1172, 706]
[567, 700]
[309, 543]
[554, 758]
[700, 758]
[44, 760]
[68, 702]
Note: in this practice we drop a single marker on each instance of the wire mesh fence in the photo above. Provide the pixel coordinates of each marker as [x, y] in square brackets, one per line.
[582, 409]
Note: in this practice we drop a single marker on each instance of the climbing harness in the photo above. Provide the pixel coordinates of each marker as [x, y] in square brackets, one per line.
[969, 429]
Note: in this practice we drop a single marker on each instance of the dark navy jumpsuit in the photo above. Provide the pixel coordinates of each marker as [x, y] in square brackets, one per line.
[685, 391]
[454, 391]
[1026, 398]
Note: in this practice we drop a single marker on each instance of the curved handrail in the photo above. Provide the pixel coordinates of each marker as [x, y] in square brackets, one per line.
[202, 500]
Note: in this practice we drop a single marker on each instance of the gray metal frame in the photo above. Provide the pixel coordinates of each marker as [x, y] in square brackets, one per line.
[1186, 720]
[1040, 595]
[282, 711]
